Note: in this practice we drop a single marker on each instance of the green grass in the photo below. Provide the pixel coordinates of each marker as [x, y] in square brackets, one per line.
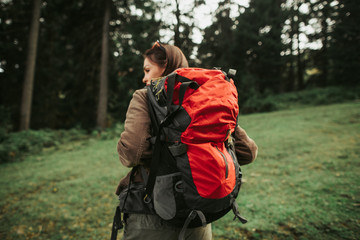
[305, 182]
[303, 185]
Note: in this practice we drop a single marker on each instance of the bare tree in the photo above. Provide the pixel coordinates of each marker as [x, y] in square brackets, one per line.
[102, 105]
[25, 113]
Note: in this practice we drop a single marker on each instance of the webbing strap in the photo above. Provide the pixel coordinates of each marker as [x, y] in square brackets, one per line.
[153, 167]
[170, 91]
[191, 217]
[132, 173]
[183, 87]
[144, 174]
[156, 157]
[185, 83]
[235, 209]
[117, 223]
[178, 149]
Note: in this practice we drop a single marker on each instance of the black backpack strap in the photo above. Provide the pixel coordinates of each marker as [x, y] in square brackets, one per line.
[235, 209]
[117, 223]
[153, 167]
[144, 174]
[170, 91]
[185, 83]
[132, 173]
[183, 87]
[178, 149]
[154, 122]
[191, 217]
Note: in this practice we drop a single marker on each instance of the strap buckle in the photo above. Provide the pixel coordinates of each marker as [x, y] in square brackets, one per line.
[147, 199]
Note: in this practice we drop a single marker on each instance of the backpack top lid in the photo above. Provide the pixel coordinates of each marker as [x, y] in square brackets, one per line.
[199, 75]
[213, 107]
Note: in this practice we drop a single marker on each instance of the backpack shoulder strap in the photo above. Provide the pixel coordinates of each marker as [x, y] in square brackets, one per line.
[236, 212]
[191, 217]
[117, 223]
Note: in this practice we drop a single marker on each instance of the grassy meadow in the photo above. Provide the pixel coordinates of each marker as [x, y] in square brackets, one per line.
[303, 185]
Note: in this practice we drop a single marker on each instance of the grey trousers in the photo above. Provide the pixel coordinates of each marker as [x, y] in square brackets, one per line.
[152, 227]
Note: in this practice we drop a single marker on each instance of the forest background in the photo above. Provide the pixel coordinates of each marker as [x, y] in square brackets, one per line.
[85, 57]
[68, 70]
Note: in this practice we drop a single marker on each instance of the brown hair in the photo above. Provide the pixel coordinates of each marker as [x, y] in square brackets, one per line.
[168, 56]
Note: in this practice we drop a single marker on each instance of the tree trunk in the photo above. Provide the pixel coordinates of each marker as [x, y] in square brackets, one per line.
[291, 78]
[177, 40]
[102, 105]
[324, 50]
[25, 113]
[300, 70]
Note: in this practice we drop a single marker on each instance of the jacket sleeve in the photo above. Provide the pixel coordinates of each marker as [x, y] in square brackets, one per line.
[133, 145]
[245, 148]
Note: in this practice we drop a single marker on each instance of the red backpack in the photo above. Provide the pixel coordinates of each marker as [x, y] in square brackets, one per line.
[194, 176]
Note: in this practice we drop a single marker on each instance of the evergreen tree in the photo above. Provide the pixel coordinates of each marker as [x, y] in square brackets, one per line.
[135, 30]
[178, 16]
[259, 45]
[14, 32]
[323, 12]
[345, 44]
[216, 47]
[69, 66]
[294, 55]
[67, 69]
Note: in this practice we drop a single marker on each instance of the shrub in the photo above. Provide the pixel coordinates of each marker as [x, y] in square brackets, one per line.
[312, 97]
[256, 104]
[15, 145]
[109, 133]
[18, 143]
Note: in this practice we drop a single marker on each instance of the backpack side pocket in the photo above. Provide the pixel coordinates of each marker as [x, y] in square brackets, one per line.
[164, 195]
[133, 201]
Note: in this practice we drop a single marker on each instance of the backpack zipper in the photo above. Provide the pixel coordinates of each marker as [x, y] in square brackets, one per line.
[226, 163]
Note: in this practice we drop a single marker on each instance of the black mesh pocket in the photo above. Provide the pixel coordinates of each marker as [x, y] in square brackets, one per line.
[132, 201]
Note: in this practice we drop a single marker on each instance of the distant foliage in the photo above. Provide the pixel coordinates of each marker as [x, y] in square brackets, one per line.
[5, 120]
[113, 132]
[13, 146]
[310, 97]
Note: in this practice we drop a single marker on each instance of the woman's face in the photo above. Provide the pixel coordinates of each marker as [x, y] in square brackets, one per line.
[151, 70]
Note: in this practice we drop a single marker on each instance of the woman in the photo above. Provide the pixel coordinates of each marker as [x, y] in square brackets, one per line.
[134, 148]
